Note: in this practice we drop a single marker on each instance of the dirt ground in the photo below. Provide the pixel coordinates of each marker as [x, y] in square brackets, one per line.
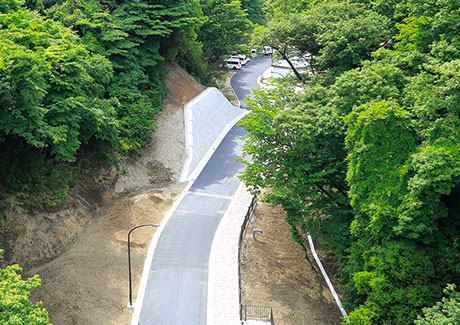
[275, 273]
[223, 81]
[88, 284]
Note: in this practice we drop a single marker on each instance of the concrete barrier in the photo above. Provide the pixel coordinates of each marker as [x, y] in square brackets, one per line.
[207, 116]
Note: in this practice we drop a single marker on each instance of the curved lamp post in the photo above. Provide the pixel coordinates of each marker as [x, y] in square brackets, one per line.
[129, 259]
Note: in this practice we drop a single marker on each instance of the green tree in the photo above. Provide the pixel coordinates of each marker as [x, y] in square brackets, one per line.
[10, 5]
[445, 312]
[254, 9]
[289, 155]
[394, 123]
[15, 306]
[290, 35]
[225, 26]
[52, 90]
[335, 36]
[276, 8]
[137, 37]
[347, 34]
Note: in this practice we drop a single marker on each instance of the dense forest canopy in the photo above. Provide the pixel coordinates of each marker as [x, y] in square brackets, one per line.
[81, 84]
[89, 75]
[367, 158]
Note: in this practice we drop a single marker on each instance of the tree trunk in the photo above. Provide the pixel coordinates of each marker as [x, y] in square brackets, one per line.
[297, 74]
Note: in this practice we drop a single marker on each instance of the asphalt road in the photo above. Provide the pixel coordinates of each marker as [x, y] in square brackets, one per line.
[246, 79]
[177, 285]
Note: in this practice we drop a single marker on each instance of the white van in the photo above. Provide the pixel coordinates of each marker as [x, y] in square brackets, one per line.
[233, 63]
[268, 50]
[243, 58]
[240, 57]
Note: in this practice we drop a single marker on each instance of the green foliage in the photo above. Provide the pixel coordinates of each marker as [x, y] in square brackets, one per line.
[277, 8]
[137, 37]
[254, 9]
[367, 158]
[339, 35]
[306, 176]
[444, 312]
[346, 34]
[225, 26]
[399, 275]
[7, 6]
[97, 88]
[379, 141]
[289, 35]
[52, 87]
[15, 306]
[49, 182]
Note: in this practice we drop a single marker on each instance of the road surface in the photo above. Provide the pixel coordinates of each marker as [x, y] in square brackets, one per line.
[177, 285]
[246, 79]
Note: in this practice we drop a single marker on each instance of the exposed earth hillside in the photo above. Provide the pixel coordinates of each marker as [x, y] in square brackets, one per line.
[80, 252]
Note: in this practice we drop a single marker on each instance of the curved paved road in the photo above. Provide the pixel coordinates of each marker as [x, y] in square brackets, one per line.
[245, 80]
[177, 286]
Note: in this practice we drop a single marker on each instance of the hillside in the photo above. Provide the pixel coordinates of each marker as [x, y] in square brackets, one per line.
[32, 237]
[86, 282]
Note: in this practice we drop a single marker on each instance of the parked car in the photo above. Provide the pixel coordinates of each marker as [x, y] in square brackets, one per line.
[240, 57]
[268, 50]
[233, 63]
[243, 58]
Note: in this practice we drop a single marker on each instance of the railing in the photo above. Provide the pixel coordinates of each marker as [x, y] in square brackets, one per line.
[261, 313]
[240, 245]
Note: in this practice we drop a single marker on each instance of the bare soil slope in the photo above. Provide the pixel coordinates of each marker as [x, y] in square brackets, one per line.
[165, 155]
[275, 273]
[88, 284]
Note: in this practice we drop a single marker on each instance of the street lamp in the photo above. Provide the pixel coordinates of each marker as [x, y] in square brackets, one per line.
[129, 259]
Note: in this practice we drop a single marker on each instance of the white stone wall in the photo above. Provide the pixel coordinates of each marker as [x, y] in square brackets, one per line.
[206, 116]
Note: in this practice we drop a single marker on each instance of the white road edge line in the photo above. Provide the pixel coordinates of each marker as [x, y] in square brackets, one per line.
[329, 283]
[213, 147]
[148, 260]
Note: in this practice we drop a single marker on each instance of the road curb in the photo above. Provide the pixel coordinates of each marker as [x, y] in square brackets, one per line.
[230, 83]
[223, 282]
[148, 260]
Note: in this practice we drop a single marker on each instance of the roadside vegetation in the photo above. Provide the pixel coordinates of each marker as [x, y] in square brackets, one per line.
[367, 158]
[81, 84]
[83, 78]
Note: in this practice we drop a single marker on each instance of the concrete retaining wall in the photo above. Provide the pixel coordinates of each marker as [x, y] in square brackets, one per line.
[206, 117]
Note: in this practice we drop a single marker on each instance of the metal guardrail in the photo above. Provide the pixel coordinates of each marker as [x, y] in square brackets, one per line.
[261, 313]
[240, 245]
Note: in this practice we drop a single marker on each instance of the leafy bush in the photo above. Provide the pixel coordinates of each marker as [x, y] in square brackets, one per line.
[445, 312]
[15, 306]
